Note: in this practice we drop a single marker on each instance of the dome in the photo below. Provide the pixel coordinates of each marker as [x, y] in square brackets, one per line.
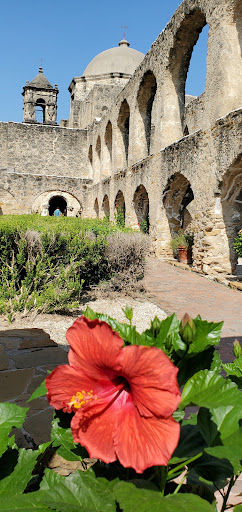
[120, 59]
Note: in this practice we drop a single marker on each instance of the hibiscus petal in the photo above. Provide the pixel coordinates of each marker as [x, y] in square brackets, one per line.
[96, 433]
[144, 442]
[153, 380]
[95, 347]
[64, 382]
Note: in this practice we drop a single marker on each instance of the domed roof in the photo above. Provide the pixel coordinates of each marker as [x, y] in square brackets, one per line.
[120, 59]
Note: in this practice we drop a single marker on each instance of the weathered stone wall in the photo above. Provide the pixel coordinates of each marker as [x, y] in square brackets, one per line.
[23, 193]
[44, 150]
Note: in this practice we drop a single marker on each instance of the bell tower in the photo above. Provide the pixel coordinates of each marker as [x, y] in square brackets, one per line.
[40, 101]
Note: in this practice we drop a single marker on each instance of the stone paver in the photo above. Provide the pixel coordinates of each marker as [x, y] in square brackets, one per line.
[181, 291]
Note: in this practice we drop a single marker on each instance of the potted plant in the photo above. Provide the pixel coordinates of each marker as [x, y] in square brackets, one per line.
[181, 244]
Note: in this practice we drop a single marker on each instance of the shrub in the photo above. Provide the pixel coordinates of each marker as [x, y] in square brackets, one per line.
[238, 245]
[48, 262]
[181, 239]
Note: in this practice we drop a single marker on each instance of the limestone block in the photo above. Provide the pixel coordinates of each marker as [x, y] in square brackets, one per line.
[4, 363]
[14, 383]
[39, 426]
[45, 356]
[214, 232]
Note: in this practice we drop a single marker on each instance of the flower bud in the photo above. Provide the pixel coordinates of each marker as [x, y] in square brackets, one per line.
[187, 329]
[237, 349]
[155, 326]
[128, 312]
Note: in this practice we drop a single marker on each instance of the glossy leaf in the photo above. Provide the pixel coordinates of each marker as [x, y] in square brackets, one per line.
[40, 391]
[11, 415]
[62, 438]
[17, 481]
[79, 491]
[22, 503]
[132, 499]
[207, 334]
[191, 364]
[230, 449]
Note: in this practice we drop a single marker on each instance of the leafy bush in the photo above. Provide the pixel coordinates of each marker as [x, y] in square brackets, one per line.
[238, 245]
[181, 239]
[47, 262]
[208, 456]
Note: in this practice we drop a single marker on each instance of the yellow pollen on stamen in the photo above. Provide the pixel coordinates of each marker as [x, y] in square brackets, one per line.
[81, 398]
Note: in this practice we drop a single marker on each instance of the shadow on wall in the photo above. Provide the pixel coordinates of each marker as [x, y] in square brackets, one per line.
[231, 200]
[176, 199]
[238, 22]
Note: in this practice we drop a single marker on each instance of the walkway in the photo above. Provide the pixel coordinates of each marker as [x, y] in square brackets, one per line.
[180, 291]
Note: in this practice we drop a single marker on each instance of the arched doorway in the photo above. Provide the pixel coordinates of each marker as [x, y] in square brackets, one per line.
[120, 209]
[141, 206]
[57, 202]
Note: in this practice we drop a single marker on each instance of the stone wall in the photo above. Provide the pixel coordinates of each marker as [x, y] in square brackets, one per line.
[44, 150]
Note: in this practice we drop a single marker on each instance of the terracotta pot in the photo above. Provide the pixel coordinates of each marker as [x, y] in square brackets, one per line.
[185, 255]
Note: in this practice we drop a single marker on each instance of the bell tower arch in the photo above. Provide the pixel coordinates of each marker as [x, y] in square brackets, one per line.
[40, 101]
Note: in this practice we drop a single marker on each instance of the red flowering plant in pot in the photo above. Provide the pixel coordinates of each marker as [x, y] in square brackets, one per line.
[123, 406]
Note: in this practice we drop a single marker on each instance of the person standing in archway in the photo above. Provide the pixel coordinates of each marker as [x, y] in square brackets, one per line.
[57, 213]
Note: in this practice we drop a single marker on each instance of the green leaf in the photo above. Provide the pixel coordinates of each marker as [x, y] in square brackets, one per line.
[127, 332]
[169, 333]
[230, 449]
[79, 491]
[207, 428]
[207, 334]
[238, 508]
[62, 438]
[11, 415]
[221, 396]
[234, 368]
[132, 499]
[193, 363]
[40, 391]
[17, 481]
[190, 443]
[22, 503]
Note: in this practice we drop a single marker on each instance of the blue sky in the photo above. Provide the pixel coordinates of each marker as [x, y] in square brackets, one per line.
[66, 35]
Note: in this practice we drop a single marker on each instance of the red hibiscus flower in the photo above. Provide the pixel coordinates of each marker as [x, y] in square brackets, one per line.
[123, 397]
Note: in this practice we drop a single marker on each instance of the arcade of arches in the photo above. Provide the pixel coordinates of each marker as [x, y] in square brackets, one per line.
[137, 145]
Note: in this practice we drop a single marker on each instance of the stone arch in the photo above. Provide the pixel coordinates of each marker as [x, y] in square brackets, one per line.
[141, 207]
[144, 127]
[177, 197]
[231, 202]
[123, 136]
[40, 110]
[90, 159]
[96, 207]
[107, 150]
[119, 205]
[180, 55]
[57, 202]
[106, 207]
[8, 203]
[97, 159]
[45, 202]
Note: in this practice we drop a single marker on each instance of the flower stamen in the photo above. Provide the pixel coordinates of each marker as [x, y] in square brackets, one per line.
[81, 398]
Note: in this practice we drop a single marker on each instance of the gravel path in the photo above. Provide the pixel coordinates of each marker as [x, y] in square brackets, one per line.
[57, 325]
